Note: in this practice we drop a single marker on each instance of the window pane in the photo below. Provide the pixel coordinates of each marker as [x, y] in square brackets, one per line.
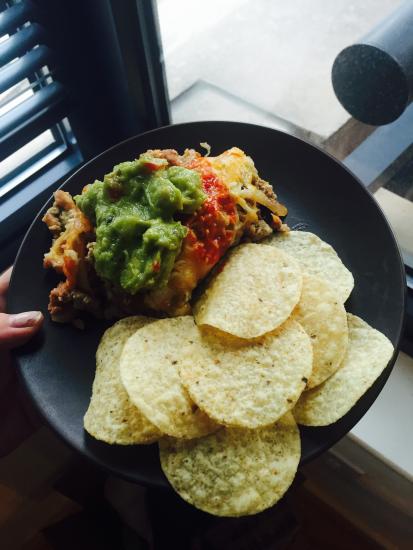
[272, 57]
[14, 96]
[25, 153]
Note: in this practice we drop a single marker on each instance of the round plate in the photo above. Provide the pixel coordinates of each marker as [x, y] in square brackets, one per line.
[321, 195]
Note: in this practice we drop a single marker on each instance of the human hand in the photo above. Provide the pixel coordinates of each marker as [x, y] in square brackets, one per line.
[15, 330]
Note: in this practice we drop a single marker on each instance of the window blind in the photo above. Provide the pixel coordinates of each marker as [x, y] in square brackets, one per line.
[32, 102]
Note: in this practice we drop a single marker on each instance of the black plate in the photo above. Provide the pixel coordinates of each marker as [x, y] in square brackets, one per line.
[322, 196]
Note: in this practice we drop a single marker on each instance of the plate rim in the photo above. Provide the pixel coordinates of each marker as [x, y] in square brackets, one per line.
[321, 448]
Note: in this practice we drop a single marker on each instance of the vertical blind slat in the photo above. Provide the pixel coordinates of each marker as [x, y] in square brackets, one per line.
[21, 42]
[15, 16]
[32, 117]
[24, 67]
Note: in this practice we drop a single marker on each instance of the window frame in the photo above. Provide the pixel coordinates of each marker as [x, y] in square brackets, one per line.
[373, 161]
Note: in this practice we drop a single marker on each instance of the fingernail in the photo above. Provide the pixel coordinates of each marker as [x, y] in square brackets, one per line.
[26, 319]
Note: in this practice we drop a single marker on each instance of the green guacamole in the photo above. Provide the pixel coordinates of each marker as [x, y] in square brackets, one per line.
[137, 238]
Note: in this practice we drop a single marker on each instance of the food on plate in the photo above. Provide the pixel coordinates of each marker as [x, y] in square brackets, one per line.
[254, 294]
[222, 402]
[143, 238]
[316, 258]
[368, 354]
[323, 317]
[149, 369]
[269, 345]
[72, 232]
[224, 408]
[234, 472]
[246, 383]
[111, 416]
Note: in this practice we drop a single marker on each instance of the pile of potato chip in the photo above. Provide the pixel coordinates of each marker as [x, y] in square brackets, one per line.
[270, 345]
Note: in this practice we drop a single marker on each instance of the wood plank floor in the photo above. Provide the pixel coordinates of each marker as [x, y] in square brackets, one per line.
[50, 501]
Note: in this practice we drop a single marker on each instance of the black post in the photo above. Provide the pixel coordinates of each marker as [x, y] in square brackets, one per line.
[373, 79]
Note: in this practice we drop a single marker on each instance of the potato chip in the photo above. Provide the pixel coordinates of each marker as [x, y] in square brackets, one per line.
[368, 354]
[243, 383]
[254, 293]
[323, 317]
[316, 258]
[149, 371]
[111, 417]
[234, 472]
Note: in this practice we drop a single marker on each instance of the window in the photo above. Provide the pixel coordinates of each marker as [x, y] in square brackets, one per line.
[33, 129]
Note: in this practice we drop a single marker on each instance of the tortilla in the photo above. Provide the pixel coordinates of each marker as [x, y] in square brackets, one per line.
[254, 292]
[251, 383]
[323, 317]
[149, 371]
[368, 354]
[111, 416]
[234, 472]
[316, 258]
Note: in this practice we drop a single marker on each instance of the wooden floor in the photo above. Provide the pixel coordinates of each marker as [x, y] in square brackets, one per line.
[51, 500]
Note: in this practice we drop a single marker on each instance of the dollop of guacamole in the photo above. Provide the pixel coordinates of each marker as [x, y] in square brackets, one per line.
[133, 209]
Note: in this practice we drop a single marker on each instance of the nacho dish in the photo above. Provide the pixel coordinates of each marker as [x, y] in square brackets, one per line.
[143, 238]
[220, 378]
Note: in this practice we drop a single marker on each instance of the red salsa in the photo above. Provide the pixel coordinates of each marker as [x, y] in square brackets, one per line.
[211, 228]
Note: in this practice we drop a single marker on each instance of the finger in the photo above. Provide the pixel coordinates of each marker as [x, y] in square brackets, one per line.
[5, 280]
[17, 329]
[4, 285]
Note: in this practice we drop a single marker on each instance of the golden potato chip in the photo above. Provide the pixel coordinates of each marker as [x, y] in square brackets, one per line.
[323, 317]
[234, 472]
[149, 371]
[243, 383]
[368, 354]
[316, 258]
[111, 417]
[254, 293]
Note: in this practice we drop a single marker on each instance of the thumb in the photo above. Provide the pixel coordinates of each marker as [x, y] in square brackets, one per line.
[17, 329]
